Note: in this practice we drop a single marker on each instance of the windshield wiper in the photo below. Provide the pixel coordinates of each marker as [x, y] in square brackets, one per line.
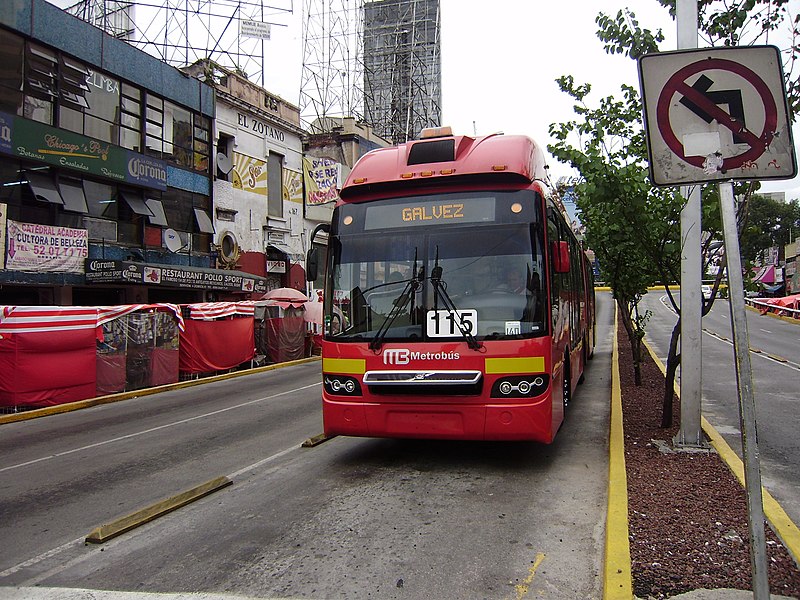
[440, 291]
[399, 304]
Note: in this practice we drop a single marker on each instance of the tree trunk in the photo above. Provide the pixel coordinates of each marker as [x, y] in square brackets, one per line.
[673, 360]
[634, 339]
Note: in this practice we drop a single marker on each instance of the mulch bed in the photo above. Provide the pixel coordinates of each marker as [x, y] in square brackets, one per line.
[687, 511]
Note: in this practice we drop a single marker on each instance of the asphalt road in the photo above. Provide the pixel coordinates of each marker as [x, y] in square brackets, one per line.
[349, 518]
[775, 360]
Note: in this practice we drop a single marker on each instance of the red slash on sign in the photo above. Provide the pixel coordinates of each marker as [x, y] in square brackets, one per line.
[697, 99]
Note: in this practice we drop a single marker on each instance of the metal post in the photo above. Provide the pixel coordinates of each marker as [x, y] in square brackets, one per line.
[691, 380]
[744, 383]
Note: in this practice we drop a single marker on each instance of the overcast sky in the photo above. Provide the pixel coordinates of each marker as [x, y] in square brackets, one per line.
[500, 59]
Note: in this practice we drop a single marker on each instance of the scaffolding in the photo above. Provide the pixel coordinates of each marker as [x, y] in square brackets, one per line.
[402, 68]
[376, 60]
[182, 32]
[331, 81]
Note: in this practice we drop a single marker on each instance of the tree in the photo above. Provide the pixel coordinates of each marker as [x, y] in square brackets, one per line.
[629, 224]
[768, 223]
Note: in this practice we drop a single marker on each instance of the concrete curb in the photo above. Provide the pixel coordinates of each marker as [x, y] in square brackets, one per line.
[140, 517]
[78, 405]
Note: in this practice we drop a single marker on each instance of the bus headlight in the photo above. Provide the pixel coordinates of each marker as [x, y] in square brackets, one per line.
[520, 386]
[341, 385]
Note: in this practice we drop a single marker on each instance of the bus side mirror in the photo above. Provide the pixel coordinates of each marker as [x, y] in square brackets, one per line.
[560, 257]
[312, 264]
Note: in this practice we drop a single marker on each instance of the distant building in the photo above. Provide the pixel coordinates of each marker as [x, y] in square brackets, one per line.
[258, 186]
[776, 196]
[402, 67]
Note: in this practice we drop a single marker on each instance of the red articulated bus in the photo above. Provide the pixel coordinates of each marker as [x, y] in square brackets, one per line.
[458, 302]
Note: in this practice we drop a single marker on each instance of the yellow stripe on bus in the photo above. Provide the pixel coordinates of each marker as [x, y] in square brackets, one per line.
[525, 364]
[350, 366]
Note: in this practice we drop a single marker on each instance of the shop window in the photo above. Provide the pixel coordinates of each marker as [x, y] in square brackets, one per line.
[41, 69]
[130, 132]
[154, 127]
[72, 83]
[224, 158]
[178, 135]
[130, 224]
[275, 185]
[103, 96]
[202, 139]
[99, 129]
[12, 55]
[70, 119]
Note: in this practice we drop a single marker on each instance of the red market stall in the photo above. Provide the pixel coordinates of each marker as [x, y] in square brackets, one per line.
[285, 330]
[138, 347]
[47, 355]
[217, 336]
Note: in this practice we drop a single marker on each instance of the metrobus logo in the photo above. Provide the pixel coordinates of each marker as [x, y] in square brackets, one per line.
[403, 356]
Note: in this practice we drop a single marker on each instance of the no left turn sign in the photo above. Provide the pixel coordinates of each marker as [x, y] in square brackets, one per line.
[716, 114]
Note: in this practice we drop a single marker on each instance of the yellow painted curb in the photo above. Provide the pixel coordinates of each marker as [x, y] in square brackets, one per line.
[782, 524]
[140, 517]
[617, 576]
[79, 404]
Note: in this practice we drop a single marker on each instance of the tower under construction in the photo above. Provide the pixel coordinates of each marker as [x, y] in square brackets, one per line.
[376, 60]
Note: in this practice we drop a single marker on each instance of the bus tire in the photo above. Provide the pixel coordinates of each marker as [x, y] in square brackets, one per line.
[567, 394]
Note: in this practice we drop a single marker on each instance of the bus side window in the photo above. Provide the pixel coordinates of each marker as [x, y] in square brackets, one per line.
[555, 279]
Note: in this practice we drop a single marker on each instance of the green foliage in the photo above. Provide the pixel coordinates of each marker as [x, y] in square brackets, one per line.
[632, 227]
[720, 23]
[768, 223]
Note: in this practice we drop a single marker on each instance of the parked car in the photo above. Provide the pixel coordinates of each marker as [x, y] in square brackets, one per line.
[706, 289]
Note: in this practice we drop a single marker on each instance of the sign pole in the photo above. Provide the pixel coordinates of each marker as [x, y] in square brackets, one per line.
[691, 376]
[744, 384]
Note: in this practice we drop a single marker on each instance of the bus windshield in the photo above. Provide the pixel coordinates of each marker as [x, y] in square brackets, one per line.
[442, 281]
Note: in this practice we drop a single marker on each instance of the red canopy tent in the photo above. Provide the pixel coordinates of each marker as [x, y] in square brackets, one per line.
[47, 355]
[217, 336]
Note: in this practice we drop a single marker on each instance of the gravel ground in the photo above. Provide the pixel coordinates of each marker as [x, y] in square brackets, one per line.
[687, 511]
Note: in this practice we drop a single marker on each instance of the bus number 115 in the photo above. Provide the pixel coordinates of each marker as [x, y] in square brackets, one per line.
[445, 323]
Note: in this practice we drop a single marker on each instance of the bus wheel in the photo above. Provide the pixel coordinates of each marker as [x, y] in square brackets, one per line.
[567, 393]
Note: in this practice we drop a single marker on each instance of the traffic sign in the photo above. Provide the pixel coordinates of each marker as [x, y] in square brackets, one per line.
[716, 114]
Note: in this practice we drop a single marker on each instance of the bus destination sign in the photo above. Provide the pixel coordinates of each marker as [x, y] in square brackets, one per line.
[430, 212]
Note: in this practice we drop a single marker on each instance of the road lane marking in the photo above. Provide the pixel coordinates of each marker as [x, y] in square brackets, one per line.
[81, 540]
[523, 588]
[756, 351]
[153, 429]
[37, 559]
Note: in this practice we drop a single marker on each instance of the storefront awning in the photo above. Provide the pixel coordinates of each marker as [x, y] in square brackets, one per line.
[203, 221]
[43, 187]
[136, 203]
[74, 197]
[158, 217]
[766, 274]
